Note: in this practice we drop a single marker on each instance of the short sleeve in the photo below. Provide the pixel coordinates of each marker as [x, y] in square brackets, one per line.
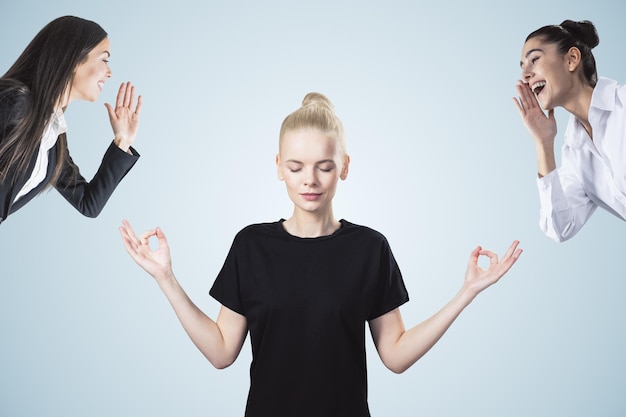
[390, 292]
[226, 288]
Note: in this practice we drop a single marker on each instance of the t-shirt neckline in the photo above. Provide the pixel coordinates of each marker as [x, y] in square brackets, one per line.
[283, 231]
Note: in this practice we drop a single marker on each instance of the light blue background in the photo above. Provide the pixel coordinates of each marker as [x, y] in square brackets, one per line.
[440, 163]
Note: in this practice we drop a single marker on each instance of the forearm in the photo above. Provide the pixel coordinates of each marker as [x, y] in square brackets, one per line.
[418, 340]
[89, 198]
[546, 162]
[202, 330]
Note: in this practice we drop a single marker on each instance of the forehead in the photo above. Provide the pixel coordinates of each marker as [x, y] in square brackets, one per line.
[104, 47]
[536, 45]
[305, 144]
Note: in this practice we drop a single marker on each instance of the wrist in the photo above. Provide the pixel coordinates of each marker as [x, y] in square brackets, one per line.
[122, 143]
[165, 279]
[466, 295]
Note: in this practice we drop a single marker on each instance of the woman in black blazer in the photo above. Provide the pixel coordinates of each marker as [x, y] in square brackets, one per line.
[66, 61]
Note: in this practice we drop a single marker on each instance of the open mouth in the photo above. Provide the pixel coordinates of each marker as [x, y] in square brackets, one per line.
[538, 87]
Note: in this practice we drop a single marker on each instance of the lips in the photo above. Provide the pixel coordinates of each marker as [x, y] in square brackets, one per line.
[310, 196]
[100, 85]
[538, 87]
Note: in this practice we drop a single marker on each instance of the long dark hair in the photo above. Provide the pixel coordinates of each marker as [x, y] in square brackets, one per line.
[582, 35]
[39, 79]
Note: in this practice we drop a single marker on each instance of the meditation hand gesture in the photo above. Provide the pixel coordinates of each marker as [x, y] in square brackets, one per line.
[477, 279]
[158, 262]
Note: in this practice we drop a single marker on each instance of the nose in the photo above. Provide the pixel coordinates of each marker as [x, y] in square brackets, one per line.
[526, 73]
[109, 71]
[310, 180]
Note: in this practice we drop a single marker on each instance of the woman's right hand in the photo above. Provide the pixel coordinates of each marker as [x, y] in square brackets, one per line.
[158, 262]
[541, 128]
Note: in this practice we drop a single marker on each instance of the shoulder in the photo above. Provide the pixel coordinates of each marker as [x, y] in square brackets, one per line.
[258, 229]
[361, 232]
[14, 100]
[606, 92]
[14, 94]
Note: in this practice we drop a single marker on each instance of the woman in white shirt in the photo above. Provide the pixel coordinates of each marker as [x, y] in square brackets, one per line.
[66, 61]
[559, 69]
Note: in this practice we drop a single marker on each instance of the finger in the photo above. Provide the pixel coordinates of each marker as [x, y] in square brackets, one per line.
[130, 245]
[493, 257]
[506, 265]
[129, 230]
[132, 96]
[161, 236]
[120, 95]
[526, 94]
[145, 236]
[128, 96]
[523, 97]
[511, 249]
[110, 110]
[519, 106]
[473, 259]
[138, 107]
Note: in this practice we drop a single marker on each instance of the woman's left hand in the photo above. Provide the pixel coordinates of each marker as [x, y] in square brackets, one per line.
[124, 120]
[477, 279]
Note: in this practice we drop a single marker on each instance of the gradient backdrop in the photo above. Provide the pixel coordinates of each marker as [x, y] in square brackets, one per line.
[440, 163]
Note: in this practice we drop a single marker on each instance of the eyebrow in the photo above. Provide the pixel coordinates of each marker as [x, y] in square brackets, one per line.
[107, 52]
[323, 161]
[530, 52]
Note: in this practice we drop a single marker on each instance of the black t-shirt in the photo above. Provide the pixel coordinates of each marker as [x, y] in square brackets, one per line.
[306, 301]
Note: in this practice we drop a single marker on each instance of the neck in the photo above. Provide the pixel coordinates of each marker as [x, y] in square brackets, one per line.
[579, 105]
[307, 224]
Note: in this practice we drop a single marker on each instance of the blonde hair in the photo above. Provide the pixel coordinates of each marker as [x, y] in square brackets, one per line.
[316, 112]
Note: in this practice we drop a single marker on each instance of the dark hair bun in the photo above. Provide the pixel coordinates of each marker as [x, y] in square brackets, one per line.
[584, 31]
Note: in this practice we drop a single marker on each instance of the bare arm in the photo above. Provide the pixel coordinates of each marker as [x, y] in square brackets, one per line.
[541, 128]
[399, 348]
[219, 341]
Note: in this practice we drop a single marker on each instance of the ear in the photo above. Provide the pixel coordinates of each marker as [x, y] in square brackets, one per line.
[278, 170]
[573, 58]
[344, 167]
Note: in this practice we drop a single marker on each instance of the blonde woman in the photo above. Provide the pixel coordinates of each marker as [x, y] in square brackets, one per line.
[305, 287]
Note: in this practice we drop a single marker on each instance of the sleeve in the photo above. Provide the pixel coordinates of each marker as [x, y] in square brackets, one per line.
[565, 207]
[89, 198]
[226, 289]
[390, 292]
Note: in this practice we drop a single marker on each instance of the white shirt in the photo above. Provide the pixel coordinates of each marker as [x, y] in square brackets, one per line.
[592, 172]
[56, 126]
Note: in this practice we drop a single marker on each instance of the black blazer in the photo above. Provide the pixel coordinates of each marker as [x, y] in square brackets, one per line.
[88, 197]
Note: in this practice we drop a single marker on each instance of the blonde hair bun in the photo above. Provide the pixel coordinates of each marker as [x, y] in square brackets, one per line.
[317, 100]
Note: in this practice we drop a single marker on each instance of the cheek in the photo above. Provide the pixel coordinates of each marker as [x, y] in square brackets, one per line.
[291, 180]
